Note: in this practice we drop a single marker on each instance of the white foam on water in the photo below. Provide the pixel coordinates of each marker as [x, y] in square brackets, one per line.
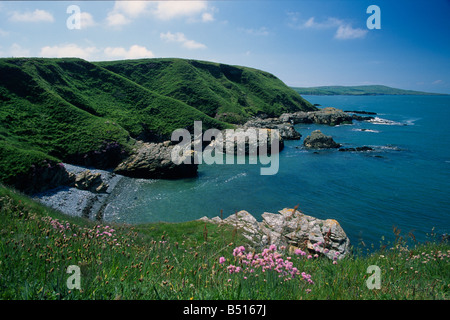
[378, 120]
[388, 148]
[366, 130]
[239, 175]
[411, 122]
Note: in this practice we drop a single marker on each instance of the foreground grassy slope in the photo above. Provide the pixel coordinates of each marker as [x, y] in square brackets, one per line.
[66, 109]
[358, 91]
[222, 91]
[193, 260]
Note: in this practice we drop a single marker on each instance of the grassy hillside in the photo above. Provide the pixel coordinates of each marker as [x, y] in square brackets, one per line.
[222, 91]
[358, 90]
[194, 260]
[65, 109]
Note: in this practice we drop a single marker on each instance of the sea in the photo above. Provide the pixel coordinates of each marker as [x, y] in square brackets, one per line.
[402, 185]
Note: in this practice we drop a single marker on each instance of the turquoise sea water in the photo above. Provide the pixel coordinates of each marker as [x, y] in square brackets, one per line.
[404, 182]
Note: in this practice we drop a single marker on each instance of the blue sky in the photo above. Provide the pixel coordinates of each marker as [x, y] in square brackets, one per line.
[304, 43]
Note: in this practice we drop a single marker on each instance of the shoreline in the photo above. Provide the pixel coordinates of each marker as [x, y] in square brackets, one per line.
[73, 201]
[76, 202]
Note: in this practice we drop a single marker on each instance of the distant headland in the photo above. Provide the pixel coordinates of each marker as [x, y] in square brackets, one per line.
[366, 90]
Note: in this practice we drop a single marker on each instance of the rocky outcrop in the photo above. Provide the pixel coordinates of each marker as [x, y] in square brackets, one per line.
[286, 129]
[329, 116]
[240, 139]
[296, 117]
[154, 161]
[90, 181]
[293, 229]
[361, 118]
[317, 140]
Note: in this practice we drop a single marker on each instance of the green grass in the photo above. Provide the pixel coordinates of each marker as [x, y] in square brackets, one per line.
[212, 88]
[181, 261]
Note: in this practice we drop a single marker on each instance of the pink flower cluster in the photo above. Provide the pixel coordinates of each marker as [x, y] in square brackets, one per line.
[99, 231]
[268, 259]
[105, 233]
[58, 225]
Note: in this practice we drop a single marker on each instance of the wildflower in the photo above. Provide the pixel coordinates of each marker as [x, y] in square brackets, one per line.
[231, 268]
[238, 250]
[222, 260]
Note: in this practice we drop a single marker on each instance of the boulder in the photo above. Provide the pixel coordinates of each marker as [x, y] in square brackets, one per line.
[292, 229]
[154, 161]
[317, 140]
[288, 132]
[90, 181]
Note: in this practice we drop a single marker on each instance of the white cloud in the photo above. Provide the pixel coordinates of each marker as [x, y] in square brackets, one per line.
[86, 20]
[207, 17]
[124, 11]
[181, 38]
[17, 51]
[35, 16]
[68, 51]
[135, 52]
[115, 19]
[345, 32]
[167, 10]
[328, 23]
[131, 8]
[437, 82]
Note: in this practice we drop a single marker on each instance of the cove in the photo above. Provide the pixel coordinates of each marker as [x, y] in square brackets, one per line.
[403, 182]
